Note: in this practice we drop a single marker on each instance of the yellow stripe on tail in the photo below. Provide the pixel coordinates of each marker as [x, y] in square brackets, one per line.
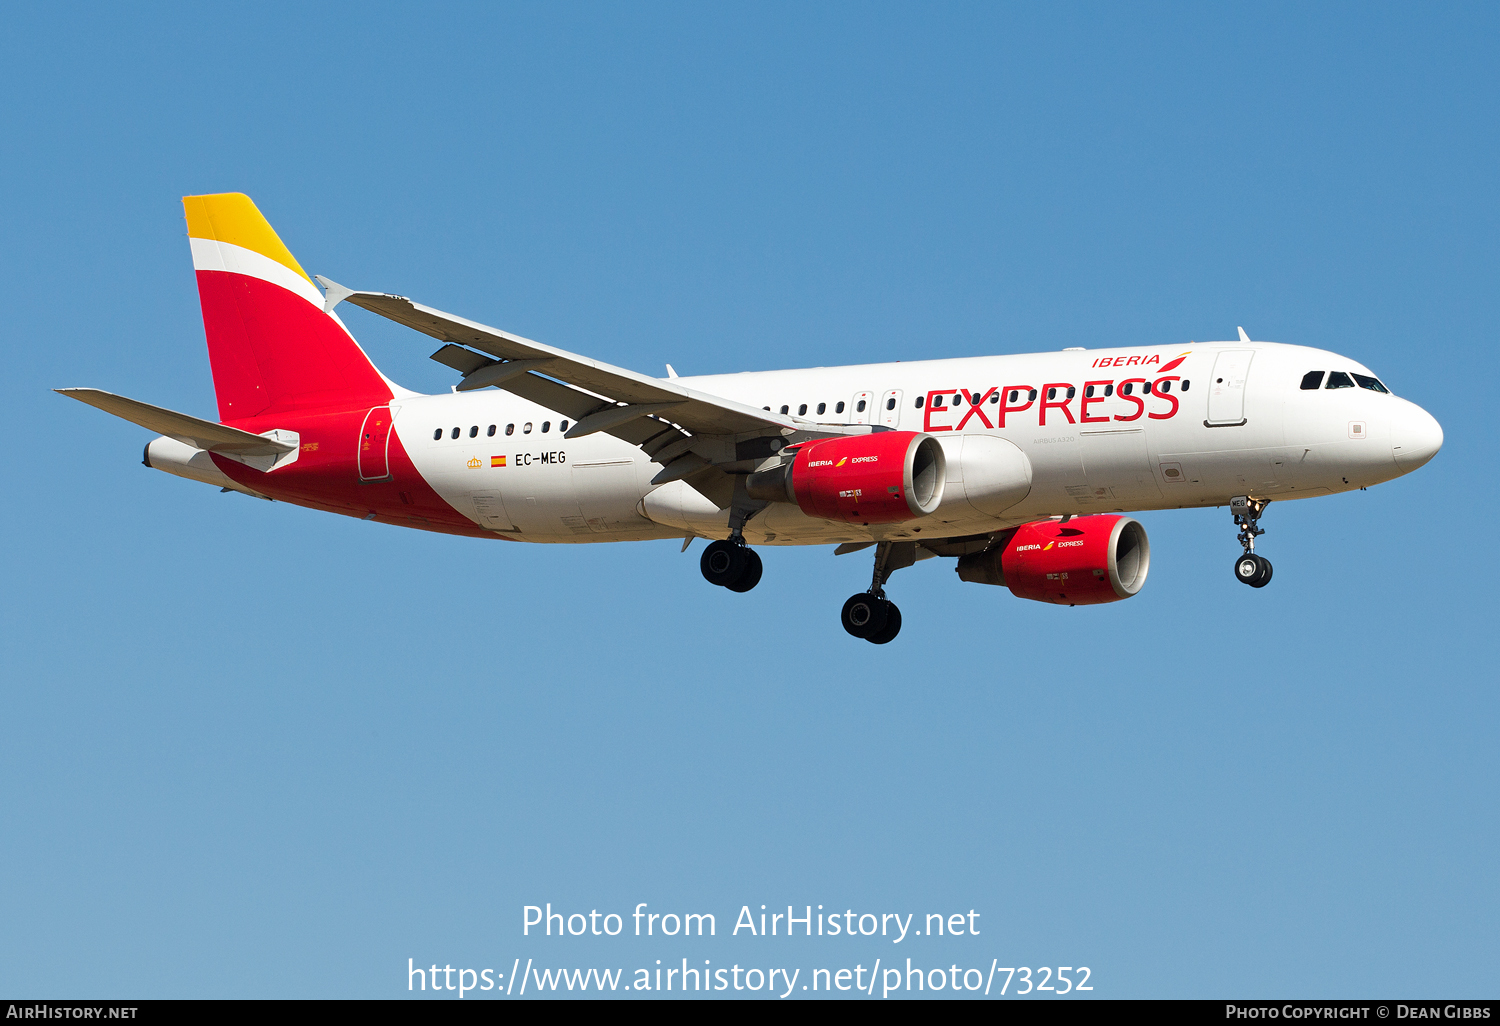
[233, 218]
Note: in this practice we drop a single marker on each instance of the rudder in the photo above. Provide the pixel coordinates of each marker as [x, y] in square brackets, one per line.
[271, 346]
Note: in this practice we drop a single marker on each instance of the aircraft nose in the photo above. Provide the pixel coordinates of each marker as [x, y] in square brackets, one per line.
[1416, 437]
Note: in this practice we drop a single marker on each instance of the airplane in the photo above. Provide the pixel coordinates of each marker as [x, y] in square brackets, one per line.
[1021, 467]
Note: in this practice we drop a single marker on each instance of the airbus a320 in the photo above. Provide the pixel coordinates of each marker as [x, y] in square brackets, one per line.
[1022, 468]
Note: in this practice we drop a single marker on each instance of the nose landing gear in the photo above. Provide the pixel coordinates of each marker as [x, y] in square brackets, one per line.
[1249, 568]
[870, 615]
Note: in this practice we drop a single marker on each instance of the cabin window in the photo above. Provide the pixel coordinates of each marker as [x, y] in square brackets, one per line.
[861, 407]
[1312, 380]
[1088, 392]
[1166, 386]
[890, 403]
[1126, 388]
[822, 409]
[1338, 379]
[456, 432]
[786, 409]
[994, 398]
[437, 434]
[917, 402]
[802, 410]
[526, 428]
[1051, 393]
[1365, 381]
[1072, 391]
[546, 426]
[766, 408]
[510, 429]
[957, 399]
[1031, 397]
[839, 408]
[1185, 384]
[491, 432]
[1109, 389]
[474, 431]
[937, 401]
[1145, 388]
[562, 425]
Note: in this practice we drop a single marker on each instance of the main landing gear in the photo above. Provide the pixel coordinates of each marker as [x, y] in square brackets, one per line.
[870, 615]
[1249, 568]
[731, 564]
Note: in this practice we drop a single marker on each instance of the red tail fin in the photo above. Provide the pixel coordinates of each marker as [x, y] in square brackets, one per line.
[271, 346]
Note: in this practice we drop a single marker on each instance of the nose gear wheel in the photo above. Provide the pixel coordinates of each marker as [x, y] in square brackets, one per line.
[1253, 570]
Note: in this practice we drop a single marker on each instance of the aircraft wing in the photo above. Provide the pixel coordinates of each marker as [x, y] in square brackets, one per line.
[699, 438]
[200, 434]
[641, 396]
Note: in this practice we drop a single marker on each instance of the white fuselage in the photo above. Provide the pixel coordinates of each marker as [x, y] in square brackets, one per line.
[1257, 433]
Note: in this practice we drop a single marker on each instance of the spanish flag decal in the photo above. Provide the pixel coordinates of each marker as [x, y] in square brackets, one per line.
[497, 461]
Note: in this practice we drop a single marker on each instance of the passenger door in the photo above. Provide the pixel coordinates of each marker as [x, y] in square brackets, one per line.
[1226, 391]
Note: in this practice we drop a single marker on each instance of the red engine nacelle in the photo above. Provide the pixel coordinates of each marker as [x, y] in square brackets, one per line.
[879, 478]
[1083, 562]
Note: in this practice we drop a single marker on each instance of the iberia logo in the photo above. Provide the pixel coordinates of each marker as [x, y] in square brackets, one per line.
[1141, 361]
[841, 462]
[497, 461]
[475, 463]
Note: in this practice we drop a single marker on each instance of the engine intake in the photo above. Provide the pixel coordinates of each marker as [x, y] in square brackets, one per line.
[880, 478]
[1083, 562]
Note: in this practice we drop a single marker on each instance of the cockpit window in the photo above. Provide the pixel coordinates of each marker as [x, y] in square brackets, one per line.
[1338, 379]
[1312, 380]
[1365, 381]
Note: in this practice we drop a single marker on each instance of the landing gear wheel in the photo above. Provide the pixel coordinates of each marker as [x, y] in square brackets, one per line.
[1253, 570]
[1265, 573]
[865, 615]
[751, 577]
[892, 626]
[724, 563]
[1247, 569]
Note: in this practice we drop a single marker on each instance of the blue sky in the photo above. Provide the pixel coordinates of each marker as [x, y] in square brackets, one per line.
[252, 750]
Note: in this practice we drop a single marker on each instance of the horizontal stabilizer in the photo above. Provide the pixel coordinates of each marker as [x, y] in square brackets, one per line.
[200, 434]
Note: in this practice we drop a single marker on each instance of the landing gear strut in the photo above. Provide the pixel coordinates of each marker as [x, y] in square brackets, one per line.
[1249, 568]
[870, 615]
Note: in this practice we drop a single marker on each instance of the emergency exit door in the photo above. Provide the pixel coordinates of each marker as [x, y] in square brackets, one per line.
[859, 410]
[890, 408]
